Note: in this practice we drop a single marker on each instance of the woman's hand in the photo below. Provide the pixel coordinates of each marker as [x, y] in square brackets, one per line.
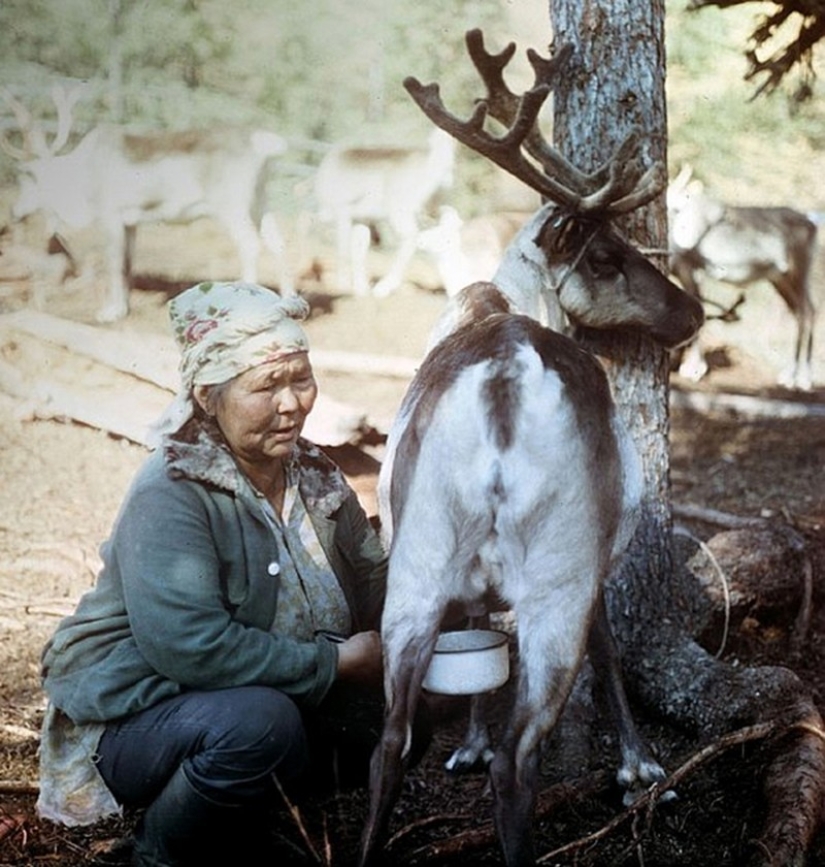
[360, 659]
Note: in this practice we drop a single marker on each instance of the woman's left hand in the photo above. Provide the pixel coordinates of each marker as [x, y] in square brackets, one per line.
[360, 659]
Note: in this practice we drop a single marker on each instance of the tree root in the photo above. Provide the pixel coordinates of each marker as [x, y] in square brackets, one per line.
[655, 618]
[694, 689]
[792, 818]
[794, 789]
[648, 801]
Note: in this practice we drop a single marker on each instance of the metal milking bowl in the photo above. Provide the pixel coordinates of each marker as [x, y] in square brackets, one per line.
[468, 662]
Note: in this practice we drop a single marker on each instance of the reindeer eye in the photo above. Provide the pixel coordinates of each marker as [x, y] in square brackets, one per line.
[604, 267]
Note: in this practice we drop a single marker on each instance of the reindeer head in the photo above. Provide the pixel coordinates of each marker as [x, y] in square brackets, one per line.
[49, 180]
[569, 252]
[691, 212]
[34, 142]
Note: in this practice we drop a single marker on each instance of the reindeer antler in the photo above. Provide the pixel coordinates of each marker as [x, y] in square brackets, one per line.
[503, 104]
[64, 99]
[34, 138]
[28, 130]
[619, 186]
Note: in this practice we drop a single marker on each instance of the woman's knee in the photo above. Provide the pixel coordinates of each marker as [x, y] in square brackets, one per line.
[255, 732]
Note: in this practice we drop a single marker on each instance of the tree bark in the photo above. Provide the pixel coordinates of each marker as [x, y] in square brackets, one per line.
[616, 81]
[616, 84]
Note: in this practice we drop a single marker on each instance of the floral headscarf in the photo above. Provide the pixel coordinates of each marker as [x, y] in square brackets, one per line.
[223, 330]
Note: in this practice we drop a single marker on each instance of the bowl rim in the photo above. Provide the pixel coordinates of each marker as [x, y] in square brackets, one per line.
[486, 639]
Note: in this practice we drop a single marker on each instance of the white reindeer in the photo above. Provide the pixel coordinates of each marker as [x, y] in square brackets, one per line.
[466, 251]
[356, 187]
[116, 180]
[507, 470]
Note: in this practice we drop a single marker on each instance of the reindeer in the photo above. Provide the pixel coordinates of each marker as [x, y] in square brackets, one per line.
[357, 187]
[742, 246]
[466, 251]
[116, 180]
[508, 471]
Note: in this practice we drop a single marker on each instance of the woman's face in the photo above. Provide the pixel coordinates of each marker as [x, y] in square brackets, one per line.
[262, 412]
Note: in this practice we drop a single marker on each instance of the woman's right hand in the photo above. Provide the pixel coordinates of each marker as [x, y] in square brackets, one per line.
[360, 659]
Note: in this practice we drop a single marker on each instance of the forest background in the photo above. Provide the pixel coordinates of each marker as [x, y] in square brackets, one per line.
[330, 72]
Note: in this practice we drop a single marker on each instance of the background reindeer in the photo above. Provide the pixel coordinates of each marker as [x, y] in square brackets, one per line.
[507, 470]
[116, 180]
[357, 187]
[466, 251]
[743, 246]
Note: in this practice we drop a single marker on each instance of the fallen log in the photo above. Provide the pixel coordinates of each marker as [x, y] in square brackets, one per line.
[19, 787]
[155, 358]
[150, 363]
[151, 357]
[114, 412]
[745, 404]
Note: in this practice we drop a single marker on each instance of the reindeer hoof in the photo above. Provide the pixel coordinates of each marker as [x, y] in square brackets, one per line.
[636, 780]
[693, 371]
[384, 288]
[111, 313]
[794, 380]
[468, 761]
[632, 795]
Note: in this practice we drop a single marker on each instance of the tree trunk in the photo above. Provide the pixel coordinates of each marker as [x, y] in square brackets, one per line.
[616, 82]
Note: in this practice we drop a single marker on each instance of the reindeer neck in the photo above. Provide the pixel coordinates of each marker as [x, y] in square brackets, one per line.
[527, 280]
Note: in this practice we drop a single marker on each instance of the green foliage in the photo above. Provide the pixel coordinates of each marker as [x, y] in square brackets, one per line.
[748, 150]
[322, 71]
[65, 38]
[318, 73]
[694, 41]
[331, 71]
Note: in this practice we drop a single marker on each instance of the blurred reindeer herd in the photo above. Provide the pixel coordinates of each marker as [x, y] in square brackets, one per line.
[112, 180]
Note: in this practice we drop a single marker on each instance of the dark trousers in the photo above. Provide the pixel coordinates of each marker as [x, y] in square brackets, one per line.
[204, 765]
[195, 759]
[230, 742]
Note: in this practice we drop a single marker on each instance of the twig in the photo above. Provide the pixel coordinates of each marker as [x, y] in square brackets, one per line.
[44, 608]
[723, 580]
[9, 824]
[18, 787]
[692, 512]
[648, 800]
[803, 618]
[327, 842]
[295, 814]
[810, 729]
[45, 611]
[421, 824]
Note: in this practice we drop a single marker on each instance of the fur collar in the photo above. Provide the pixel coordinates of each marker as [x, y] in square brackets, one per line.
[198, 452]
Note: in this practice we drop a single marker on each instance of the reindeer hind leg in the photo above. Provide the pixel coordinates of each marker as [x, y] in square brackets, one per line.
[405, 664]
[515, 767]
[552, 633]
[639, 769]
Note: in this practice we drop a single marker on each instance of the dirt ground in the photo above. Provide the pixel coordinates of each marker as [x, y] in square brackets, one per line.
[62, 484]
